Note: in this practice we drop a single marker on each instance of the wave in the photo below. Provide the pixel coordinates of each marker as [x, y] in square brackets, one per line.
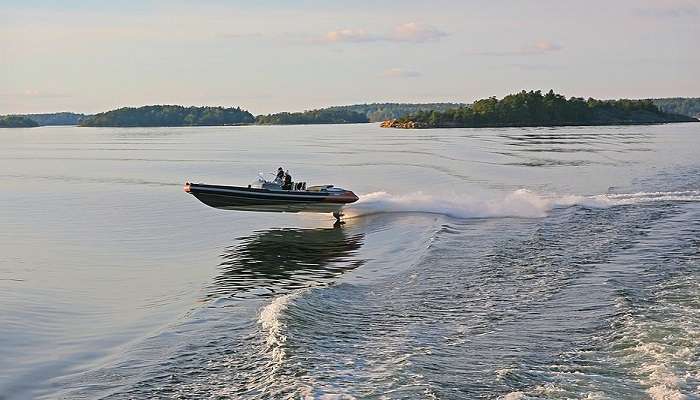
[270, 321]
[520, 203]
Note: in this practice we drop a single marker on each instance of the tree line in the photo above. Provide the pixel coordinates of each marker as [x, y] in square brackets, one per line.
[680, 105]
[521, 109]
[532, 108]
[377, 112]
[16, 121]
[170, 115]
[321, 116]
[167, 115]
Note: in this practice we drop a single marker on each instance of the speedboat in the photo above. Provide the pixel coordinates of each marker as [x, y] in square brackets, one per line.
[272, 196]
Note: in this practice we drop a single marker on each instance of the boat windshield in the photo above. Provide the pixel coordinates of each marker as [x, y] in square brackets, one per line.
[258, 182]
[261, 183]
[274, 183]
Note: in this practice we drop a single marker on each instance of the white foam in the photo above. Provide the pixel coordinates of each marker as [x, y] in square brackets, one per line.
[663, 392]
[514, 396]
[660, 351]
[520, 203]
[269, 320]
[596, 396]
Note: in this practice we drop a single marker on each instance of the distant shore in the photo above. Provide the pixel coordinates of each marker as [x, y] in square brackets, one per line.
[533, 109]
[516, 111]
[413, 125]
[17, 121]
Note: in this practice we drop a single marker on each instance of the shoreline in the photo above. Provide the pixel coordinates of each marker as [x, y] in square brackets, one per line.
[384, 124]
[418, 125]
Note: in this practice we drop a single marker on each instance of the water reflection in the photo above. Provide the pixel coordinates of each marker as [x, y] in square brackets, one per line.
[573, 141]
[275, 261]
[570, 148]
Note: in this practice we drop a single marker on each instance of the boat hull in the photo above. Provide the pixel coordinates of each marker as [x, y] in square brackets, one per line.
[263, 200]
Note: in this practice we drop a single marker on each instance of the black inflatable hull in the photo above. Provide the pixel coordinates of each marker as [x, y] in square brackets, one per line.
[254, 199]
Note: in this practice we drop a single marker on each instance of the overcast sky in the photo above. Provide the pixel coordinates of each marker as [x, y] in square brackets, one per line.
[267, 56]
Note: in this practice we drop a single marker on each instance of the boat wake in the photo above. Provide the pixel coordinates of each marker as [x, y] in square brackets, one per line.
[520, 203]
[270, 322]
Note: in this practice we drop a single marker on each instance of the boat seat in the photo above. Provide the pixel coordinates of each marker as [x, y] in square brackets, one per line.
[319, 188]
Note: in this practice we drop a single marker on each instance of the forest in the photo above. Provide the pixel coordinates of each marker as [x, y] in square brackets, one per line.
[16, 121]
[532, 108]
[170, 115]
[377, 112]
[689, 106]
[321, 116]
[522, 109]
[59, 118]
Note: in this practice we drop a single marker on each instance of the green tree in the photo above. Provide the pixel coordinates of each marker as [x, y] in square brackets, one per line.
[531, 108]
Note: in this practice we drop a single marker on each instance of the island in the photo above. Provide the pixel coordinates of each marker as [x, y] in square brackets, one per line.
[174, 115]
[56, 119]
[320, 116]
[16, 121]
[377, 112]
[689, 106]
[53, 119]
[535, 109]
[522, 109]
[169, 115]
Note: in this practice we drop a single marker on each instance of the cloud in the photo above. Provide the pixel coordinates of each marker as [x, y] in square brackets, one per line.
[411, 32]
[349, 35]
[539, 48]
[544, 47]
[669, 12]
[401, 73]
[533, 67]
[417, 33]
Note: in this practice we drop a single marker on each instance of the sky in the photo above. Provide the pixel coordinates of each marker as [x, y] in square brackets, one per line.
[269, 56]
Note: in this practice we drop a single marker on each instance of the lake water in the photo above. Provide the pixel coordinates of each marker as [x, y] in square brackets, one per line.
[557, 263]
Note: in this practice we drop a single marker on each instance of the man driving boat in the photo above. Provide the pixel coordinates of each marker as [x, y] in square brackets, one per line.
[287, 181]
[280, 176]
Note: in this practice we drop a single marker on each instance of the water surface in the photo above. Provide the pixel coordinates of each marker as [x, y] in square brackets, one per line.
[479, 263]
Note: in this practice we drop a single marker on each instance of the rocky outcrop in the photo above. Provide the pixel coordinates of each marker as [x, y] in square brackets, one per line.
[395, 123]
